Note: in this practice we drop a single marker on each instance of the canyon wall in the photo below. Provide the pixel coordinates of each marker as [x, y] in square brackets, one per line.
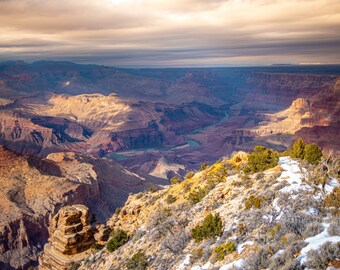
[33, 189]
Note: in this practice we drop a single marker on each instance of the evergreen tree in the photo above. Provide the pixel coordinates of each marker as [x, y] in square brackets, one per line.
[298, 149]
[312, 153]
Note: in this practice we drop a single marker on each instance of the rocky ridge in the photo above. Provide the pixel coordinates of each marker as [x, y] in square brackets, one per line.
[255, 211]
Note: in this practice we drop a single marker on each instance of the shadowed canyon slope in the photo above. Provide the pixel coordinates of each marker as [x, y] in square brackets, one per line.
[32, 189]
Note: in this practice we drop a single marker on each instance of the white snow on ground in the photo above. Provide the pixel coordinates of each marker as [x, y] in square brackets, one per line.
[330, 185]
[185, 263]
[242, 246]
[237, 264]
[316, 241]
[204, 267]
[292, 174]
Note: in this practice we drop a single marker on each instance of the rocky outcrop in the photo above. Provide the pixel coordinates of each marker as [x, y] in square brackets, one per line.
[71, 236]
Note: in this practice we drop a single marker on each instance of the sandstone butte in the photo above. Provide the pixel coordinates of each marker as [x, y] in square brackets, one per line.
[71, 236]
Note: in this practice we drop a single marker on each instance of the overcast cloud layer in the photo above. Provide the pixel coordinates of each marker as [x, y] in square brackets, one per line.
[171, 33]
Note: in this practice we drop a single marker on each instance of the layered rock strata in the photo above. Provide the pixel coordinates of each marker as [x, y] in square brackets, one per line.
[71, 235]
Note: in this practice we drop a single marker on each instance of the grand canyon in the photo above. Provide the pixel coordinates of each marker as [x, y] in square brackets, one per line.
[169, 135]
[69, 128]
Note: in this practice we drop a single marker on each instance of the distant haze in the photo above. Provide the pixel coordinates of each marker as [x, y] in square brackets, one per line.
[174, 33]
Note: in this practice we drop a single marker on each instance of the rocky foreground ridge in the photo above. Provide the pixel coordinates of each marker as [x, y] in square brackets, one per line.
[221, 218]
[33, 189]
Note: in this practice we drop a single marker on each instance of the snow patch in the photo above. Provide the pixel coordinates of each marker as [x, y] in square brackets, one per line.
[292, 174]
[204, 267]
[331, 185]
[316, 241]
[242, 246]
[185, 263]
[239, 264]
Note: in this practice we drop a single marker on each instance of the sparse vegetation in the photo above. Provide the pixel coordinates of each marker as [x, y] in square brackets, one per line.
[203, 166]
[189, 175]
[319, 259]
[210, 228]
[332, 201]
[75, 266]
[254, 202]
[225, 249]
[117, 211]
[170, 199]
[175, 180]
[198, 194]
[137, 262]
[118, 239]
[309, 152]
[261, 159]
[334, 227]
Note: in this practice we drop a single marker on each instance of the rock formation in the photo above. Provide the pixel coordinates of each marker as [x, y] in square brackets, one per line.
[71, 236]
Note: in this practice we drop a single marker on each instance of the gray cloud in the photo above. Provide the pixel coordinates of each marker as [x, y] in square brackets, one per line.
[171, 33]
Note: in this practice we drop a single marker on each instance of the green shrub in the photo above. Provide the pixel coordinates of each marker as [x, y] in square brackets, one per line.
[225, 249]
[332, 201]
[96, 247]
[309, 152]
[203, 166]
[170, 199]
[261, 159]
[137, 262]
[186, 185]
[117, 211]
[174, 180]
[118, 239]
[254, 202]
[75, 266]
[210, 228]
[153, 188]
[199, 253]
[312, 153]
[297, 150]
[198, 194]
[139, 195]
[189, 175]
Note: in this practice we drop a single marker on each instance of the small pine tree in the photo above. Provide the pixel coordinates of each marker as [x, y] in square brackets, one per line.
[118, 239]
[137, 262]
[225, 249]
[261, 159]
[312, 153]
[298, 149]
[210, 228]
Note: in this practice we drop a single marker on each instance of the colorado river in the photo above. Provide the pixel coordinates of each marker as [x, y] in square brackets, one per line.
[122, 155]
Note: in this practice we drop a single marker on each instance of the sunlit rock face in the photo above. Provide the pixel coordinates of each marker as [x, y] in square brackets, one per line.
[71, 235]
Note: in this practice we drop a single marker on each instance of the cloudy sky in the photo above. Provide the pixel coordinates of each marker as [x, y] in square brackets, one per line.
[151, 33]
